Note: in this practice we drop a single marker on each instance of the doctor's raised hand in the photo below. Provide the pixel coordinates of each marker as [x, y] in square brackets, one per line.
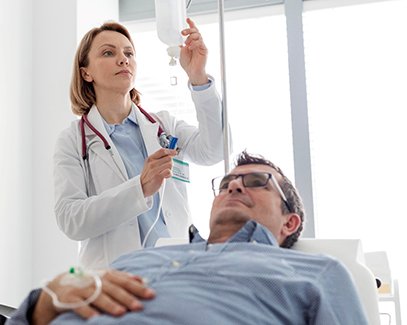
[194, 55]
[110, 166]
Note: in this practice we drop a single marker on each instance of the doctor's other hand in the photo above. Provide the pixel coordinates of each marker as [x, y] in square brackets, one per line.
[120, 292]
[157, 167]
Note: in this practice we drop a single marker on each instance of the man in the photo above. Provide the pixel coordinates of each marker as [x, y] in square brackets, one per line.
[241, 275]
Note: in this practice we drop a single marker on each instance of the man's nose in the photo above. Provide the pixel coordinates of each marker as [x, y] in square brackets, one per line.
[235, 185]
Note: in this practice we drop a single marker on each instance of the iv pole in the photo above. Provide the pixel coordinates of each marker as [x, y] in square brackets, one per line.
[226, 139]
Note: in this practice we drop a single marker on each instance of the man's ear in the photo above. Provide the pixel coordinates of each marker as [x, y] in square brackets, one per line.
[293, 221]
[85, 75]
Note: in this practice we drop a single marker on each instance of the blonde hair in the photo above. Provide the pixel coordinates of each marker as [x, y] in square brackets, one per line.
[82, 92]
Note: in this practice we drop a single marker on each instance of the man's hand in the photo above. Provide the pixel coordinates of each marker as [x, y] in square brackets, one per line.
[156, 168]
[121, 292]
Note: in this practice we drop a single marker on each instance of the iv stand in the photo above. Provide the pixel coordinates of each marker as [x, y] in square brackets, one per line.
[226, 139]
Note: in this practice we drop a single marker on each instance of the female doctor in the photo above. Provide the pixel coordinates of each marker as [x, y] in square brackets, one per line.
[113, 187]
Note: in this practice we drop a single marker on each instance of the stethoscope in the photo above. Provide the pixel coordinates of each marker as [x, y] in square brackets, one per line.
[166, 141]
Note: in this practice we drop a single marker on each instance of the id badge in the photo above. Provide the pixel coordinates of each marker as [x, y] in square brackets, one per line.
[180, 170]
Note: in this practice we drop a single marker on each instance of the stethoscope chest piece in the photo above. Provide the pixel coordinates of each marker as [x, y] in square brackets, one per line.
[168, 141]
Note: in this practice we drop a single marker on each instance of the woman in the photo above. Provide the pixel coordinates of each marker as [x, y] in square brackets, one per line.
[110, 199]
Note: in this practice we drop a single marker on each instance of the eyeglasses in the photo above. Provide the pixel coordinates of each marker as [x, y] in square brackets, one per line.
[252, 180]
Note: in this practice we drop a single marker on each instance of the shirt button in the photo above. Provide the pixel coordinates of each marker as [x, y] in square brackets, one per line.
[175, 264]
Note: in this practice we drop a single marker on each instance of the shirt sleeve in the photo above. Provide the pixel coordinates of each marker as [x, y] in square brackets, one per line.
[202, 87]
[24, 312]
[336, 300]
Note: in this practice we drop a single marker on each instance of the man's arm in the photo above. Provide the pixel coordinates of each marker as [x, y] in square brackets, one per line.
[338, 301]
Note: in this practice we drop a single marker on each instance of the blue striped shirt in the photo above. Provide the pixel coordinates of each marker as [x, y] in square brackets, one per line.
[247, 280]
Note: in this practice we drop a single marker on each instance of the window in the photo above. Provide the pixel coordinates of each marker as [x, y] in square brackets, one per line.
[356, 77]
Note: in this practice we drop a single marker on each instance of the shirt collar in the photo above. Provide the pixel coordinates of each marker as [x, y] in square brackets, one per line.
[250, 232]
[132, 117]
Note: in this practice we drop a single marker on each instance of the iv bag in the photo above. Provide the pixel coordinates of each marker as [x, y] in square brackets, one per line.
[171, 20]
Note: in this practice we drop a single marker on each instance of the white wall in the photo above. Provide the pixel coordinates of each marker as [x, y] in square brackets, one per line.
[39, 39]
[15, 157]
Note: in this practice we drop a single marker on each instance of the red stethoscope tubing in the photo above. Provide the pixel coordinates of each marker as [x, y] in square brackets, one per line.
[84, 120]
[152, 120]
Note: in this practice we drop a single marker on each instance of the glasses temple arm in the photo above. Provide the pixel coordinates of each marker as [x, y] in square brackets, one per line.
[279, 189]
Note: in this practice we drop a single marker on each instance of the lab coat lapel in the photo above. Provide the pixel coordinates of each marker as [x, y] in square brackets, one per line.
[95, 144]
[148, 132]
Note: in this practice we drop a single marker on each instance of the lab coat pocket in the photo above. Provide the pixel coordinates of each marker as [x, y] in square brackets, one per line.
[104, 173]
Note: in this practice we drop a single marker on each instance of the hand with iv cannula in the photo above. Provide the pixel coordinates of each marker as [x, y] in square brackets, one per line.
[120, 292]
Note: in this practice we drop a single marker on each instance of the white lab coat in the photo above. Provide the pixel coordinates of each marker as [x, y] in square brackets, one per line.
[98, 204]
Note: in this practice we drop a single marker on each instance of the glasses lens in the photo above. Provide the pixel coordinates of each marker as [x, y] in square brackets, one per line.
[256, 179]
[224, 182]
[221, 183]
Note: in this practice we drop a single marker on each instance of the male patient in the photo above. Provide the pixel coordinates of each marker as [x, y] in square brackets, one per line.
[243, 273]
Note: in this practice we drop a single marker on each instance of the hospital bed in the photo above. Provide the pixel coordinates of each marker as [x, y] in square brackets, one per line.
[5, 312]
[379, 263]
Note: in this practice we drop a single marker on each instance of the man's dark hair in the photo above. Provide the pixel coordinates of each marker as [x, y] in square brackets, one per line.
[294, 201]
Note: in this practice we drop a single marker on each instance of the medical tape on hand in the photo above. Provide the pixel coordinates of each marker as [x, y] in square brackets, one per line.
[79, 279]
